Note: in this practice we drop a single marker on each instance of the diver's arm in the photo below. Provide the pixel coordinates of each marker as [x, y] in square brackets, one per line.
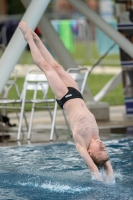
[89, 162]
[109, 171]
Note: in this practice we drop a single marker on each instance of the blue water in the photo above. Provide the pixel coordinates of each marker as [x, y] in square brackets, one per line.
[57, 172]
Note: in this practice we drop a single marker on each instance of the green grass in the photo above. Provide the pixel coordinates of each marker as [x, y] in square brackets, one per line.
[88, 55]
[83, 54]
[95, 83]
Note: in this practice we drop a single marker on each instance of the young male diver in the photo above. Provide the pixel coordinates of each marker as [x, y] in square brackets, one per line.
[83, 124]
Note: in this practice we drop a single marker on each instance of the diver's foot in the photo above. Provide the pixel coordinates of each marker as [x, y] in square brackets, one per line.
[35, 36]
[25, 30]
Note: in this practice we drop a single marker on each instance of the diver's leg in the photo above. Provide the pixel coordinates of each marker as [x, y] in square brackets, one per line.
[65, 76]
[57, 85]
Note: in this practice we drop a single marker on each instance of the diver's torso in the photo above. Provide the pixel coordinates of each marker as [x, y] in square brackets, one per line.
[82, 121]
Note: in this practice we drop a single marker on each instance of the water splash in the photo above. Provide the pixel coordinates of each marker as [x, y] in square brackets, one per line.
[56, 187]
[118, 175]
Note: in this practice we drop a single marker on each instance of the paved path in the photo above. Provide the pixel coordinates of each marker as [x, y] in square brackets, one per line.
[23, 69]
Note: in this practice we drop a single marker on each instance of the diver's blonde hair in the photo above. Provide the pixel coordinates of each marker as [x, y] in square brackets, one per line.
[99, 162]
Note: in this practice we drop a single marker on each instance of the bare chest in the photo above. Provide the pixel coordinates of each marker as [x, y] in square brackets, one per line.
[84, 128]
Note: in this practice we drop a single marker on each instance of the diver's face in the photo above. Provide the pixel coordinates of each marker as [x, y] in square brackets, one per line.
[97, 149]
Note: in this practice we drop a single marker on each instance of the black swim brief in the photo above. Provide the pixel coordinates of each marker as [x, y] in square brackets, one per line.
[71, 94]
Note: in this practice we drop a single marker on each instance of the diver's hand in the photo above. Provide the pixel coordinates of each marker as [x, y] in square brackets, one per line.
[109, 173]
[108, 169]
[110, 179]
[97, 176]
[35, 36]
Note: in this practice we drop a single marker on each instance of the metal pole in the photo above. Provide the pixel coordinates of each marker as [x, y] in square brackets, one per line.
[104, 26]
[57, 47]
[17, 44]
[111, 85]
[55, 43]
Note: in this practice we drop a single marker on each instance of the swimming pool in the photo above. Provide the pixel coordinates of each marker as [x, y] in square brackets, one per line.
[56, 172]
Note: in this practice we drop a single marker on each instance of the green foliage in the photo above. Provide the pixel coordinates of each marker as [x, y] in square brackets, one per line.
[15, 7]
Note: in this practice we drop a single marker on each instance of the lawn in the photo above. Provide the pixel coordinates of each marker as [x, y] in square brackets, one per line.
[95, 83]
[87, 54]
[83, 54]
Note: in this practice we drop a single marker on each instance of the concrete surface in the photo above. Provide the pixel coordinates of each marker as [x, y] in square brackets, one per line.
[23, 69]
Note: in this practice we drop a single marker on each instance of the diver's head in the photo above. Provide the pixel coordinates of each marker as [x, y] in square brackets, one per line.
[98, 152]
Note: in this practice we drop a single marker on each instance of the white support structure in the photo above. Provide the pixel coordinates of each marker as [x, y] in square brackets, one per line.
[53, 40]
[17, 43]
[124, 43]
[112, 84]
[58, 48]
[56, 44]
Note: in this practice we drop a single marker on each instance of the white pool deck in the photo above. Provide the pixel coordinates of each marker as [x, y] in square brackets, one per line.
[23, 69]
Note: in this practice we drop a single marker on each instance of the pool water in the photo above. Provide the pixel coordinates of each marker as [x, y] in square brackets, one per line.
[56, 172]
